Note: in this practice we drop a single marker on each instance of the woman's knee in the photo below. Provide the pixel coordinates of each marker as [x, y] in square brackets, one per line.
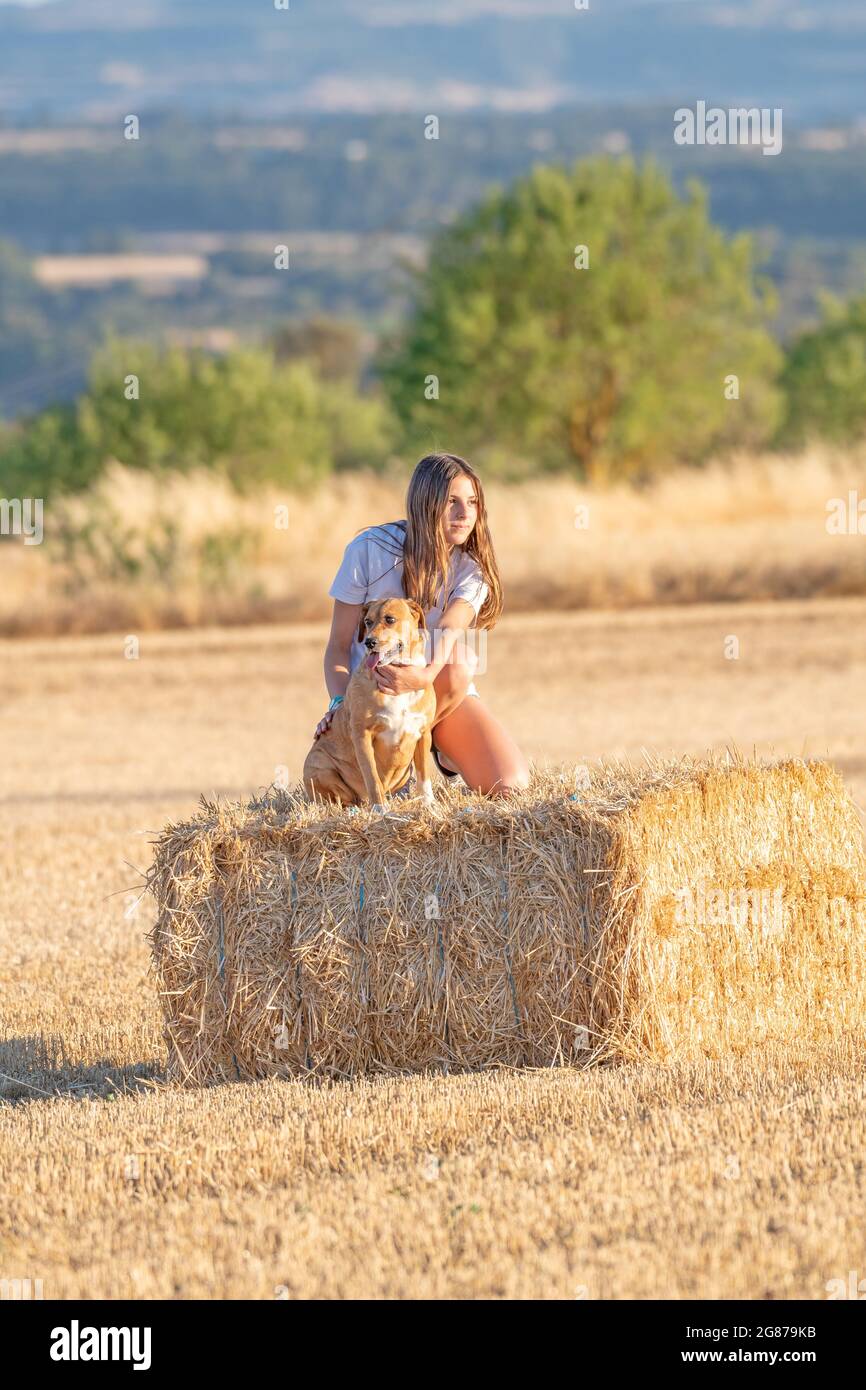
[454, 678]
[513, 779]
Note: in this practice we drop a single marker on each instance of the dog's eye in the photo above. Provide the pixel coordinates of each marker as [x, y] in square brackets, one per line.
[390, 618]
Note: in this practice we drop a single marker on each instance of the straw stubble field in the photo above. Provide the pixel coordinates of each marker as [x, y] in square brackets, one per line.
[733, 1178]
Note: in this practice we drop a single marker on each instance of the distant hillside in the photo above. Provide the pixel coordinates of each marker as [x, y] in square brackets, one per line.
[354, 196]
[86, 58]
[305, 124]
[68, 189]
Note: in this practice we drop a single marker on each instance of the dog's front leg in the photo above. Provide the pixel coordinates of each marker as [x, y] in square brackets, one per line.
[367, 763]
[423, 760]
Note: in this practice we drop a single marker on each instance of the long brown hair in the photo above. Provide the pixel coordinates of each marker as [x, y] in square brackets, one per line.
[425, 552]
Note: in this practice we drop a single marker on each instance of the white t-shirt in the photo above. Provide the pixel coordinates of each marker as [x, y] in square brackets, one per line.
[372, 568]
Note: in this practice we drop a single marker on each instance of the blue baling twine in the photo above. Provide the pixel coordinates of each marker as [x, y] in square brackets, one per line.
[441, 944]
[222, 973]
[504, 890]
[294, 901]
[362, 933]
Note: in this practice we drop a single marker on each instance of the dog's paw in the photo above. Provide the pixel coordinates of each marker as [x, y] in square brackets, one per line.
[427, 794]
[378, 809]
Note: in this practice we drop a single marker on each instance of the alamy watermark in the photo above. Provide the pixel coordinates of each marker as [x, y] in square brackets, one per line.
[22, 517]
[846, 516]
[20, 1290]
[706, 906]
[764, 908]
[853, 1287]
[77, 1343]
[739, 125]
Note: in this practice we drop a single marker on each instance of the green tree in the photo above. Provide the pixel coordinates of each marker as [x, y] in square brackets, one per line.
[824, 377]
[334, 345]
[45, 456]
[196, 409]
[245, 413]
[616, 370]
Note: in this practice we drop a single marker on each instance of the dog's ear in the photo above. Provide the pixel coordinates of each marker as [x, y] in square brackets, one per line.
[417, 611]
[362, 633]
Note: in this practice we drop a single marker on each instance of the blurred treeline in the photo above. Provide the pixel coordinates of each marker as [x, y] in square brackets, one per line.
[374, 173]
[371, 179]
[591, 320]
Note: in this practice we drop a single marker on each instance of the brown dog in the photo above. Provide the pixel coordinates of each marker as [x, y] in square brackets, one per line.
[375, 736]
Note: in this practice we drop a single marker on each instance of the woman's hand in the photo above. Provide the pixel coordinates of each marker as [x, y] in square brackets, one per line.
[324, 723]
[396, 680]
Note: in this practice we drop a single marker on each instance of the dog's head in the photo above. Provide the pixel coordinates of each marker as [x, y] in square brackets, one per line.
[390, 629]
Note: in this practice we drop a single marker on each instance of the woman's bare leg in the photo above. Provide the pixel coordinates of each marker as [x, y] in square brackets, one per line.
[481, 749]
[452, 684]
[472, 739]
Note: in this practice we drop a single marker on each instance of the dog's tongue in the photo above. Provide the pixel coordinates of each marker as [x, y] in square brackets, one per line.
[372, 661]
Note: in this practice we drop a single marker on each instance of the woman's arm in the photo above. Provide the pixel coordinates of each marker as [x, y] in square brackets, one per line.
[455, 621]
[344, 625]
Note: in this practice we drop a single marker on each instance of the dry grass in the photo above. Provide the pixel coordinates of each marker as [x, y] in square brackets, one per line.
[737, 1178]
[708, 1180]
[672, 910]
[188, 550]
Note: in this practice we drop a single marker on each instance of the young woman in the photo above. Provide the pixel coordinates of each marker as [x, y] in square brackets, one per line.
[442, 556]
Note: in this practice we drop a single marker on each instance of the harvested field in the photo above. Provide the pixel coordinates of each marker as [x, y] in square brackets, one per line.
[740, 1177]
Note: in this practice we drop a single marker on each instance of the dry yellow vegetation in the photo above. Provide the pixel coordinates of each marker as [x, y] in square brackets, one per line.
[733, 1178]
[152, 552]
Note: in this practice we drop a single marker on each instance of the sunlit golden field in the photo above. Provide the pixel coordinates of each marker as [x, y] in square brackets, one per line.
[741, 1178]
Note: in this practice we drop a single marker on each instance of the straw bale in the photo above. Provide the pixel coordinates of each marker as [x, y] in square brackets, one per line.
[669, 910]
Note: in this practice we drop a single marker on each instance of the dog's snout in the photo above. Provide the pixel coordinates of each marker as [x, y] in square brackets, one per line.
[370, 643]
